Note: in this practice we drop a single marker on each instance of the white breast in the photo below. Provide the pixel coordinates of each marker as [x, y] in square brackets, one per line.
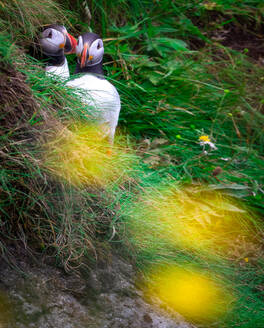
[60, 71]
[103, 98]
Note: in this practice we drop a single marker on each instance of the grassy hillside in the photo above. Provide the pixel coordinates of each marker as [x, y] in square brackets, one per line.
[184, 188]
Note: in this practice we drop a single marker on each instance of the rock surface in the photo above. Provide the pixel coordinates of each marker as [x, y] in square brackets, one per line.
[47, 297]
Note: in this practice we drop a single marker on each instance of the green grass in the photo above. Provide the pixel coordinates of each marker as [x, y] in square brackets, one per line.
[45, 212]
[176, 84]
[22, 19]
[185, 95]
[154, 226]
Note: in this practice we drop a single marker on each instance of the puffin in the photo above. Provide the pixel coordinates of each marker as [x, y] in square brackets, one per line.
[89, 81]
[55, 42]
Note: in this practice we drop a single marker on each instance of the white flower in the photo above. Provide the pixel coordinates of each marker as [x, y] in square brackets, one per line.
[205, 140]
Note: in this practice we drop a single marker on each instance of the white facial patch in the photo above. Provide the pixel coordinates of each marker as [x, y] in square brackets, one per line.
[96, 51]
[79, 47]
[52, 40]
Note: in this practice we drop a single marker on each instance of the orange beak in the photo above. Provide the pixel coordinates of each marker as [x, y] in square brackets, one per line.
[70, 44]
[84, 55]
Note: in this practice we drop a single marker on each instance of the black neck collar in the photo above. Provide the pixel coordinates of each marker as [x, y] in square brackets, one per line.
[54, 60]
[96, 69]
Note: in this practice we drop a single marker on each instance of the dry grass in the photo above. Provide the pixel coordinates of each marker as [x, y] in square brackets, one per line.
[22, 18]
[35, 208]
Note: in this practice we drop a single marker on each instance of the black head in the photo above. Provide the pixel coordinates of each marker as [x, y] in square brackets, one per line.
[90, 50]
[55, 40]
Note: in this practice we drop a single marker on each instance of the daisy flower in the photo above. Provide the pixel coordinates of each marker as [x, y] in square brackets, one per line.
[205, 140]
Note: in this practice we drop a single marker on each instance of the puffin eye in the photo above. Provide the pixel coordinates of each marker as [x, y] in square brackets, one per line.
[98, 46]
[50, 34]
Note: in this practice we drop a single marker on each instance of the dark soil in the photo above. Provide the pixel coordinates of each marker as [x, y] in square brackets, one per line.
[249, 42]
[241, 34]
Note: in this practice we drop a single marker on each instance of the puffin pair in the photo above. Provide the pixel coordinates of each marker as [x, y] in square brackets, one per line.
[98, 93]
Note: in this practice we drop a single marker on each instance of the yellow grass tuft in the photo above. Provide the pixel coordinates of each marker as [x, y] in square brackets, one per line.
[82, 156]
[195, 295]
